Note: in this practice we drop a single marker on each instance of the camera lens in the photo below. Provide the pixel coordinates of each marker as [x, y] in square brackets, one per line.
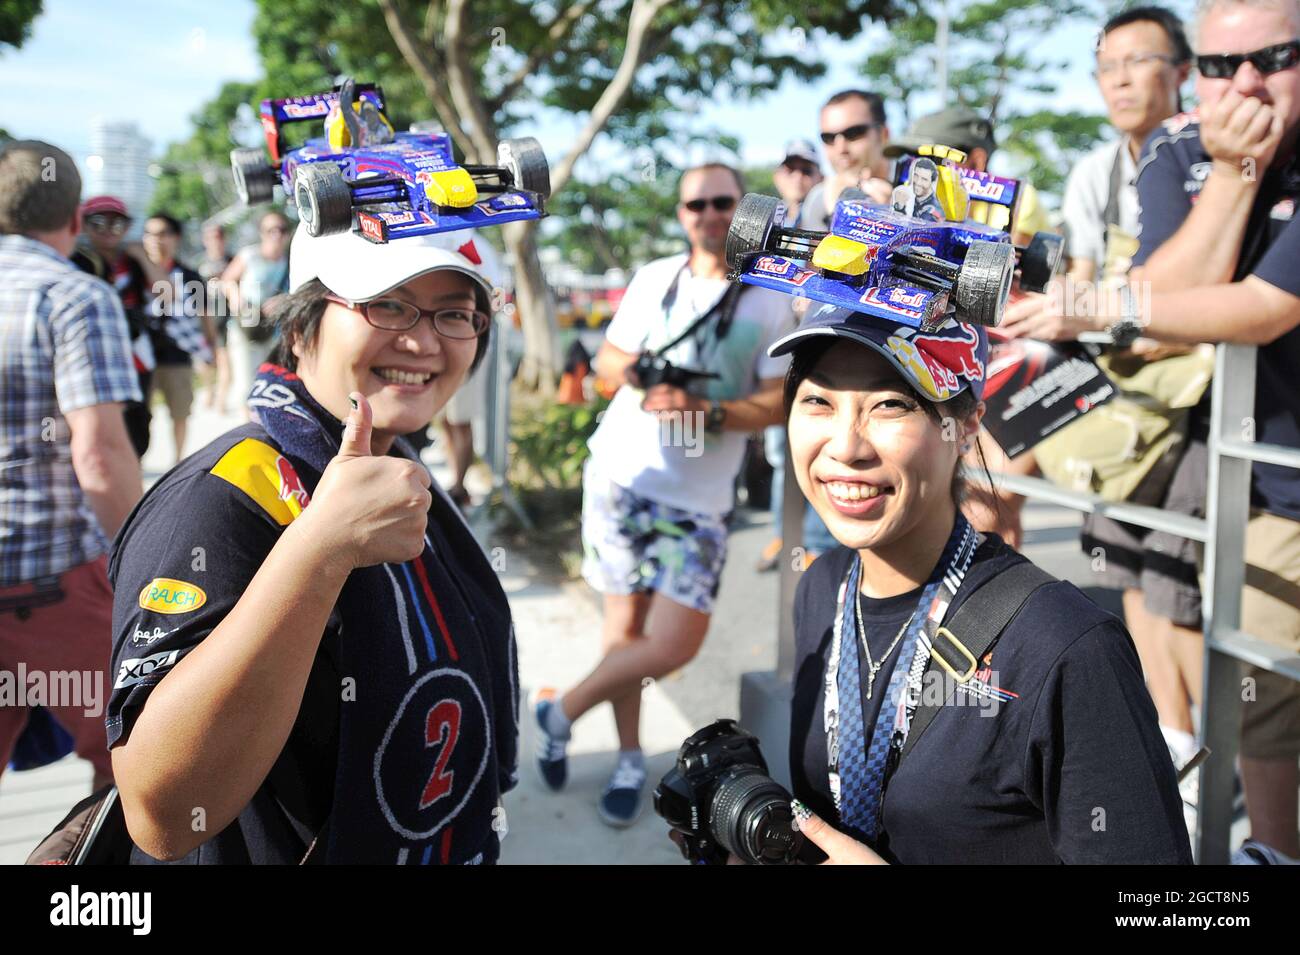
[751, 817]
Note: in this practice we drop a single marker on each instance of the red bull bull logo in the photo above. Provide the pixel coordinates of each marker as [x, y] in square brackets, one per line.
[957, 353]
[291, 488]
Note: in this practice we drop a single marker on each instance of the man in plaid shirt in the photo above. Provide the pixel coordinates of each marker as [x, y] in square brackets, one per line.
[69, 473]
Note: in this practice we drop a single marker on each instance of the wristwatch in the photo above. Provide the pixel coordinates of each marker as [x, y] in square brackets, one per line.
[717, 415]
[1128, 327]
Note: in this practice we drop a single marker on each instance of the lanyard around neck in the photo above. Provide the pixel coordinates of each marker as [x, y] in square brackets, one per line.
[896, 710]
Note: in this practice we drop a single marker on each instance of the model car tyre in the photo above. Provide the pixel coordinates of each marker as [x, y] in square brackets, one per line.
[751, 227]
[984, 282]
[323, 197]
[255, 179]
[1040, 260]
[526, 162]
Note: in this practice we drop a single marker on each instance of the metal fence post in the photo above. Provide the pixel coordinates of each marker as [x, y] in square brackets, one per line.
[1227, 511]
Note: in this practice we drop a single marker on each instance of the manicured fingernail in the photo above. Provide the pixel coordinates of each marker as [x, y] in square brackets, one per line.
[801, 814]
[353, 401]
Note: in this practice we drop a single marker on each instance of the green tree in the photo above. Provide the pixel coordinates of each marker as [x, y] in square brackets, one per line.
[994, 50]
[195, 182]
[16, 18]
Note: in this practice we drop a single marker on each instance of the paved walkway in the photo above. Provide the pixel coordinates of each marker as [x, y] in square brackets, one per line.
[558, 633]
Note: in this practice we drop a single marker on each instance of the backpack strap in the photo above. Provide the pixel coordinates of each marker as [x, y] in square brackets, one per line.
[974, 628]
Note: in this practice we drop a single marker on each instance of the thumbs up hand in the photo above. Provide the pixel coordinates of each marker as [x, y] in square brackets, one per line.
[370, 510]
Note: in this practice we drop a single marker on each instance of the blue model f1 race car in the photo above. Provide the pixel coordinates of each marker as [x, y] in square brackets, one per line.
[385, 185]
[916, 262]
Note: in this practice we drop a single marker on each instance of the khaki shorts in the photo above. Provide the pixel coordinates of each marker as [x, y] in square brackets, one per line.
[1270, 610]
[176, 382]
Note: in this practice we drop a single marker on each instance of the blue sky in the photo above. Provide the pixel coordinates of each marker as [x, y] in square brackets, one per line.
[156, 63]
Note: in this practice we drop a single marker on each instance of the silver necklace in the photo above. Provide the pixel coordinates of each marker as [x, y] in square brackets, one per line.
[872, 666]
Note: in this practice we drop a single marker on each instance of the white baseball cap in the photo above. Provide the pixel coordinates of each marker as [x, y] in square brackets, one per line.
[801, 149]
[358, 270]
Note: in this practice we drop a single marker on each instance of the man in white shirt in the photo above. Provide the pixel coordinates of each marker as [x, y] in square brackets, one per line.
[658, 486]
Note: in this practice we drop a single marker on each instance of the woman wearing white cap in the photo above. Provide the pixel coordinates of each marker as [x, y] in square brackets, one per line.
[312, 656]
[952, 703]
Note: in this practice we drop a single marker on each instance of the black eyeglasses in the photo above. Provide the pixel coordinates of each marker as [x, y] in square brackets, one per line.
[101, 222]
[1271, 59]
[720, 203]
[852, 133]
[396, 315]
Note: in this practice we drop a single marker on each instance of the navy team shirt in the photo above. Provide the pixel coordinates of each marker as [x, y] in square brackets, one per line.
[1069, 765]
[1171, 174]
[180, 564]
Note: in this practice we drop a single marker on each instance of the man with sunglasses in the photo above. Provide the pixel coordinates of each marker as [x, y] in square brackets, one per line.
[1219, 247]
[658, 486]
[855, 132]
[105, 222]
[796, 176]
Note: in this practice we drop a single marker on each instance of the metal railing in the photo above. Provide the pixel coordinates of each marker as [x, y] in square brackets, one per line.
[1222, 531]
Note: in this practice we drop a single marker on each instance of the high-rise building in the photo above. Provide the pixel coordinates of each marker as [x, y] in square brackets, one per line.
[118, 165]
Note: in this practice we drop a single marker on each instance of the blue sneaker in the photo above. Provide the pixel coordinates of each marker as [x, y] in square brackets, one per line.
[552, 761]
[620, 803]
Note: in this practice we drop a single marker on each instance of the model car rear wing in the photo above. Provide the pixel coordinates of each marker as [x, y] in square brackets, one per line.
[276, 112]
[993, 199]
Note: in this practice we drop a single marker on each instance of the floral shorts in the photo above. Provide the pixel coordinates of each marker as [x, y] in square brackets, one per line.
[631, 544]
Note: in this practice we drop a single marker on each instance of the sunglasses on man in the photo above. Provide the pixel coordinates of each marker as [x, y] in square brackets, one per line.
[106, 222]
[1271, 59]
[851, 133]
[719, 203]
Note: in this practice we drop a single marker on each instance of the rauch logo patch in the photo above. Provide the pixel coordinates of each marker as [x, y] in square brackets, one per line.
[165, 595]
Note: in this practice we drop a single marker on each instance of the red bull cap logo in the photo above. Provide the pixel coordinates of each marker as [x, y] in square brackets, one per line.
[938, 362]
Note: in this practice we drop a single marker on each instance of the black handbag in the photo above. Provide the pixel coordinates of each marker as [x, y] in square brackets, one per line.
[92, 833]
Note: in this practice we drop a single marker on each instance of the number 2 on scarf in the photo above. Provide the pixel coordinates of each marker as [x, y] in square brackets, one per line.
[441, 726]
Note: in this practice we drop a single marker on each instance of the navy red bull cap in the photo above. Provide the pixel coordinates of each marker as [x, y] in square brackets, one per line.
[941, 363]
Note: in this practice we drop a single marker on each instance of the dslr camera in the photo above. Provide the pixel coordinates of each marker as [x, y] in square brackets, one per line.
[650, 369]
[721, 799]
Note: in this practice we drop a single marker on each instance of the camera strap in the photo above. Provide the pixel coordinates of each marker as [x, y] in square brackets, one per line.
[857, 765]
[725, 307]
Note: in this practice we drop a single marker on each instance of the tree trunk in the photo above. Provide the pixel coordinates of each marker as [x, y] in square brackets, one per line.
[541, 366]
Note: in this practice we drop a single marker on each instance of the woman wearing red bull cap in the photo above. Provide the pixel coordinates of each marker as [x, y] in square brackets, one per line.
[952, 703]
[313, 658]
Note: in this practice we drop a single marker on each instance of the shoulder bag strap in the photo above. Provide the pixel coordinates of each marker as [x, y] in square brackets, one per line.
[977, 624]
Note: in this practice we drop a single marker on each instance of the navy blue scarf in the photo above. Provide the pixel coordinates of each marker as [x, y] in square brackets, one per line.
[428, 725]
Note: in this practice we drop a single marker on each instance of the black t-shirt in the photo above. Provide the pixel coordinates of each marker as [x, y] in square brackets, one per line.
[1069, 767]
[178, 567]
[1171, 173]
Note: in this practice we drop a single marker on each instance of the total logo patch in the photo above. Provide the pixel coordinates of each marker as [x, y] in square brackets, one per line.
[167, 595]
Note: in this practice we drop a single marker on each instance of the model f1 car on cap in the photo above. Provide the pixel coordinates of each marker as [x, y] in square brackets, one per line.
[361, 175]
[941, 250]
